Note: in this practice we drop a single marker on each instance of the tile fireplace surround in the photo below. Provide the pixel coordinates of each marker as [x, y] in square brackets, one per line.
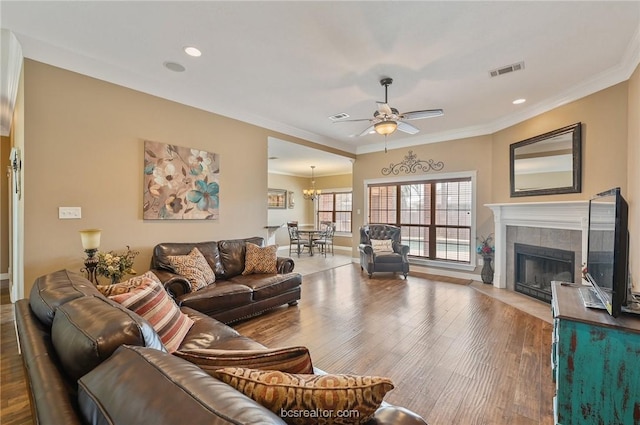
[561, 225]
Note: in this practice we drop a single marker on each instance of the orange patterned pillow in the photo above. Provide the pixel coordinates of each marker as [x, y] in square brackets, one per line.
[311, 399]
[127, 285]
[260, 260]
[194, 267]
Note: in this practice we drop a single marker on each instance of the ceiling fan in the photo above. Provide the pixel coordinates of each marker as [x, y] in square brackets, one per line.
[386, 119]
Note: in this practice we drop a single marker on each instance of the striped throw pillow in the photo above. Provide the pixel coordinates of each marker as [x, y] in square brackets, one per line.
[127, 285]
[151, 301]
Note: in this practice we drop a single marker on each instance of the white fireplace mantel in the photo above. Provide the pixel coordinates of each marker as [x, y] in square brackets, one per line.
[570, 215]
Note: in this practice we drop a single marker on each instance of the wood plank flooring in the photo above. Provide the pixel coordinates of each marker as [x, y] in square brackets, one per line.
[455, 355]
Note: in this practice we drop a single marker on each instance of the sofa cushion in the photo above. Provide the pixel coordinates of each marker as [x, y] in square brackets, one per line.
[290, 359]
[152, 302]
[127, 285]
[260, 259]
[267, 286]
[194, 267]
[232, 255]
[295, 396]
[140, 386]
[208, 249]
[221, 296]
[87, 330]
[55, 289]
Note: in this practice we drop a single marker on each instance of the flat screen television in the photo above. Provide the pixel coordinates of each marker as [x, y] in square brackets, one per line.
[607, 252]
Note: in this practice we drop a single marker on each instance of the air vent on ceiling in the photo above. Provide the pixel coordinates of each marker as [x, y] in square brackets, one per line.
[338, 117]
[506, 69]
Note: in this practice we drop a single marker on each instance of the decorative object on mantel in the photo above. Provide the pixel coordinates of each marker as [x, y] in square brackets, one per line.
[486, 250]
[548, 164]
[90, 243]
[115, 265]
[412, 164]
[312, 193]
[180, 183]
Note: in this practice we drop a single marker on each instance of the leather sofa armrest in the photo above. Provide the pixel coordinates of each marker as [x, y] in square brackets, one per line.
[285, 265]
[174, 283]
[395, 415]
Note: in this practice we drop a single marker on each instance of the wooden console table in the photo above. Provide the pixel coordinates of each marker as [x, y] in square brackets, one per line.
[595, 362]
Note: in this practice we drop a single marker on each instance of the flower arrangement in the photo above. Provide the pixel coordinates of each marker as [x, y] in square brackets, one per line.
[485, 246]
[115, 265]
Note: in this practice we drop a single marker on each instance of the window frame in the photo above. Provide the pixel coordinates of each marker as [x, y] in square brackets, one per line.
[335, 191]
[433, 179]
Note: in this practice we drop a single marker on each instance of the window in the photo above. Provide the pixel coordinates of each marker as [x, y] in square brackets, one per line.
[435, 216]
[336, 207]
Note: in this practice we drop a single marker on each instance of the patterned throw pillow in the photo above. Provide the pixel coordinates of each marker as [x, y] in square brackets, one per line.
[151, 301]
[297, 397]
[260, 260]
[127, 285]
[382, 245]
[194, 267]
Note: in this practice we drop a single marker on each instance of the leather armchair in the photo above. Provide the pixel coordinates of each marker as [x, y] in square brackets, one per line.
[383, 261]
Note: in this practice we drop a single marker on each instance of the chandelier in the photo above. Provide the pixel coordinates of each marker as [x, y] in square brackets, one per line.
[313, 193]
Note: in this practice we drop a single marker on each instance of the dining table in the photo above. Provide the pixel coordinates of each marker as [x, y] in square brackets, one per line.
[312, 234]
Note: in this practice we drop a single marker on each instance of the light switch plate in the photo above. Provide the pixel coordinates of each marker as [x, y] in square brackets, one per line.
[69, 212]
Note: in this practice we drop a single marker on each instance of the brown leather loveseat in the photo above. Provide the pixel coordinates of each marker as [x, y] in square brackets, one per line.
[89, 360]
[233, 296]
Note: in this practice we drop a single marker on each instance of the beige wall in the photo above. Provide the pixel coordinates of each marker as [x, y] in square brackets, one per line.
[84, 148]
[470, 154]
[604, 144]
[633, 181]
[5, 151]
[303, 211]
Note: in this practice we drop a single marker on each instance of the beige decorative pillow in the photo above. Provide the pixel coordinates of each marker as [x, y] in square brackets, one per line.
[194, 267]
[151, 301]
[297, 397]
[127, 285]
[382, 245]
[260, 260]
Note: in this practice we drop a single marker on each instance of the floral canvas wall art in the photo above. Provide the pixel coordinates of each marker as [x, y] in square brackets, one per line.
[180, 183]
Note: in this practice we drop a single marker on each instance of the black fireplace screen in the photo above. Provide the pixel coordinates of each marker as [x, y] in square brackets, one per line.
[536, 267]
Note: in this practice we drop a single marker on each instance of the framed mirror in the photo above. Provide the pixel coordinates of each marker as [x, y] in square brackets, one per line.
[548, 164]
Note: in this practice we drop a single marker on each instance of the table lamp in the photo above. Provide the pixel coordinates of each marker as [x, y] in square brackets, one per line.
[90, 243]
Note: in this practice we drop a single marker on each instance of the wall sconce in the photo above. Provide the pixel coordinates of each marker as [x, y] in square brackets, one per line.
[90, 243]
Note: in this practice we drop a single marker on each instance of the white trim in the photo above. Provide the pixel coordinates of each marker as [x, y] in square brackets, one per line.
[569, 215]
[429, 177]
[4, 276]
[10, 67]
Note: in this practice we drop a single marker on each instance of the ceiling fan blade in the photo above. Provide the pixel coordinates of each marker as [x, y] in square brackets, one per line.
[407, 128]
[384, 109]
[418, 115]
[366, 131]
[355, 120]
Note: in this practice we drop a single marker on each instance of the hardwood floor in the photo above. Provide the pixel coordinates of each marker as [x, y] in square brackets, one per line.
[455, 355]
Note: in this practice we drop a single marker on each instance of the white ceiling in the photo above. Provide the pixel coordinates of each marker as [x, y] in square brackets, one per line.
[289, 65]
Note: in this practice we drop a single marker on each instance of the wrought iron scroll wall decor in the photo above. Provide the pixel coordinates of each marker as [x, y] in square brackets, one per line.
[412, 164]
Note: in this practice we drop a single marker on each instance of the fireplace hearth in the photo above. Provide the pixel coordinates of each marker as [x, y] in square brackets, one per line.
[536, 266]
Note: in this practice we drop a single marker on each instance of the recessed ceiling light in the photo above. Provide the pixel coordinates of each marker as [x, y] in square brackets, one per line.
[175, 67]
[519, 101]
[192, 51]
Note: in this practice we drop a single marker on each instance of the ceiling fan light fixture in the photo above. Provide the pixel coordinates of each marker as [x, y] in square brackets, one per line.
[385, 128]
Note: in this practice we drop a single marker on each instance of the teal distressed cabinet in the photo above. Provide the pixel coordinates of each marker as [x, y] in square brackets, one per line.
[595, 362]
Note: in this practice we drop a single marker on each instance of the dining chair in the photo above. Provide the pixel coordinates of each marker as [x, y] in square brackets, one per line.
[295, 239]
[326, 237]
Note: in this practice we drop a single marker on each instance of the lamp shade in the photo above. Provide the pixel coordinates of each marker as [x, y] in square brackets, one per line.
[90, 238]
[385, 127]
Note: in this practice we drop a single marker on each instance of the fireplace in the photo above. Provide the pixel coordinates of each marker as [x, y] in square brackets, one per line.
[536, 266]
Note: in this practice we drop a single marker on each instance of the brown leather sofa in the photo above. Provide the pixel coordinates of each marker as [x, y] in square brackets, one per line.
[89, 360]
[233, 296]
